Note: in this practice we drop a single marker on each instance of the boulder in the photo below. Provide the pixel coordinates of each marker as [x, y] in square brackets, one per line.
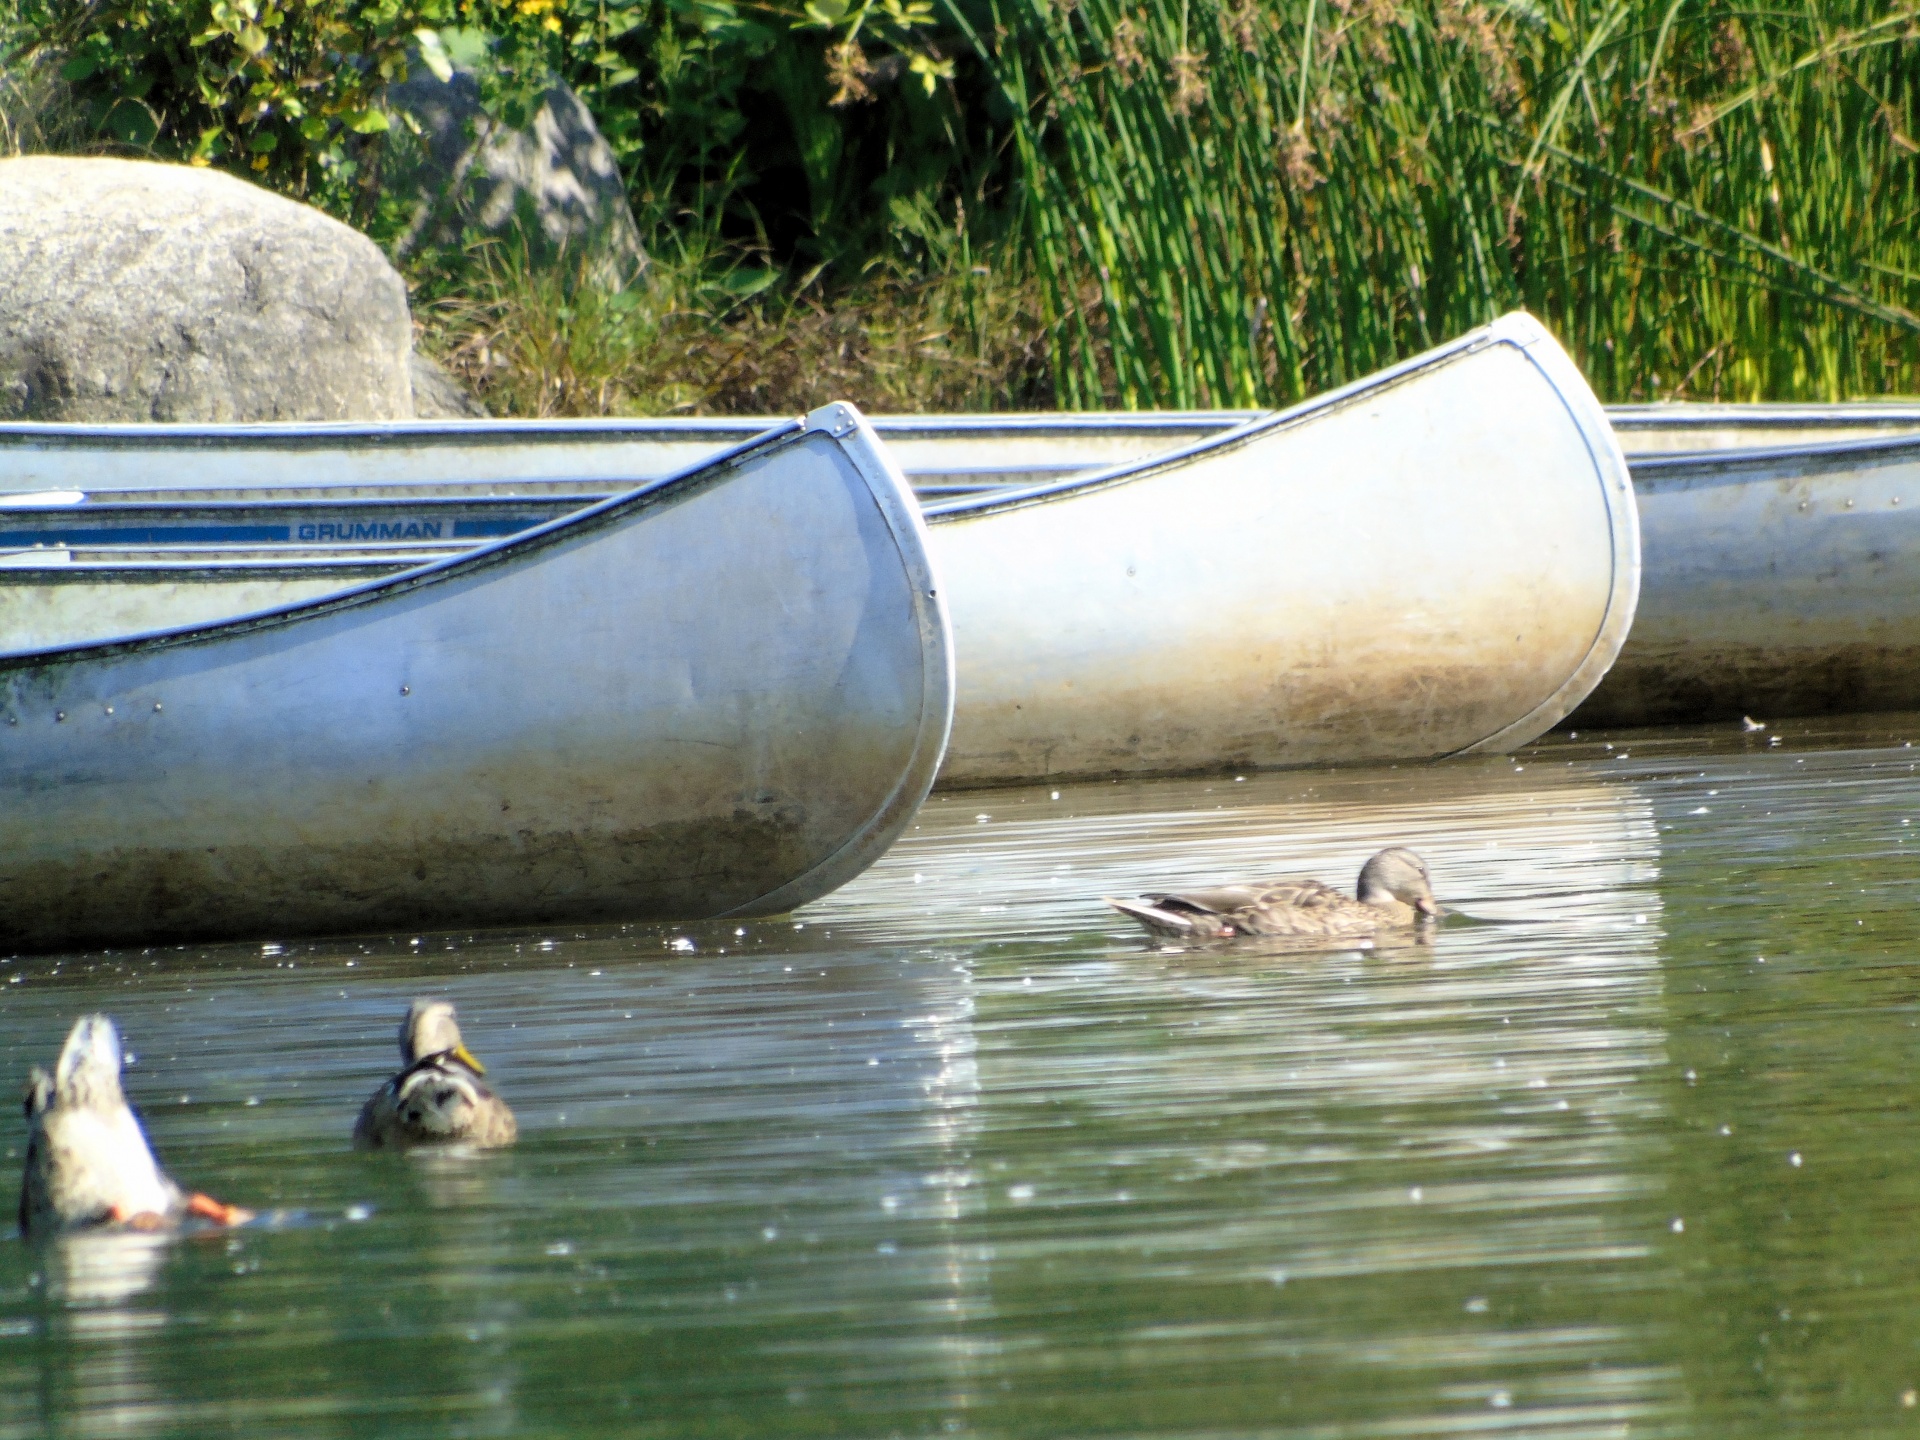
[137, 291]
[554, 185]
[438, 396]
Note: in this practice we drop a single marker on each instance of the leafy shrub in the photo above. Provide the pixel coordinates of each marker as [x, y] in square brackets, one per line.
[285, 89]
[761, 118]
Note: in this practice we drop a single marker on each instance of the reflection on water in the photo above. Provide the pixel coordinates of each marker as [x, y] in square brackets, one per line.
[1625, 1150]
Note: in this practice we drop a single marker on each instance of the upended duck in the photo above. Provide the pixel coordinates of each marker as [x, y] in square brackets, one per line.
[1394, 893]
[438, 1097]
[88, 1160]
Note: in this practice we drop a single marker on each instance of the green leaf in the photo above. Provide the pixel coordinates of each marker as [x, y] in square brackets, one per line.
[433, 53]
[131, 123]
[466, 47]
[746, 282]
[367, 122]
[313, 128]
[262, 141]
[79, 67]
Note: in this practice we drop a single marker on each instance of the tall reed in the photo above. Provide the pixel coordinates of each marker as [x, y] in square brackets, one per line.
[1237, 202]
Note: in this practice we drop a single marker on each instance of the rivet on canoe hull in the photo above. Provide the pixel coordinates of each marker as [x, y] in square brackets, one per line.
[59, 715]
[406, 689]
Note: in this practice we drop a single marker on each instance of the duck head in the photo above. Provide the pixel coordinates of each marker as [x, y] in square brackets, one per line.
[431, 1030]
[1398, 874]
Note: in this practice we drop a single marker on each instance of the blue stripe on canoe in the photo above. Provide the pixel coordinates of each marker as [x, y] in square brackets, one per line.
[309, 532]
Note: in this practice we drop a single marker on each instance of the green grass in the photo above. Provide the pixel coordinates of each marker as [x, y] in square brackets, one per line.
[708, 332]
[1242, 203]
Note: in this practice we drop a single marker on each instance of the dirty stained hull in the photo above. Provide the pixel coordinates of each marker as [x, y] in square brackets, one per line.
[722, 694]
[1776, 583]
[1438, 559]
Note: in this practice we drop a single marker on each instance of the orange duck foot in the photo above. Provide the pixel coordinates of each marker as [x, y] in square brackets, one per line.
[217, 1211]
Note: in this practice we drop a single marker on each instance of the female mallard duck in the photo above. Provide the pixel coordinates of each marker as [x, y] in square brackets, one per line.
[1394, 893]
[438, 1096]
[88, 1161]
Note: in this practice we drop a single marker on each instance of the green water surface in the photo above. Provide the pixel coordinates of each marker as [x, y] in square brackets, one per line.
[1632, 1148]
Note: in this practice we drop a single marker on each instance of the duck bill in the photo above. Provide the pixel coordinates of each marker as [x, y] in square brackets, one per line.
[467, 1058]
[1429, 907]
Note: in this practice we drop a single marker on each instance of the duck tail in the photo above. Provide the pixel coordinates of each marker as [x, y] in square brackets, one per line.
[1156, 919]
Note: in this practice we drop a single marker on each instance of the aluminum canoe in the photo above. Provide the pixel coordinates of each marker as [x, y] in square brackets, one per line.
[1440, 558]
[723, 693]
[1777, 582]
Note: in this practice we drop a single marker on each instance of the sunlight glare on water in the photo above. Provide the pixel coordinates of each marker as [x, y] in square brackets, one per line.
[958, 1150]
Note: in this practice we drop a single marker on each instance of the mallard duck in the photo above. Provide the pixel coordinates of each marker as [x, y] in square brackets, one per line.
[88, 1161]
[438, 1096]
[1394, 893]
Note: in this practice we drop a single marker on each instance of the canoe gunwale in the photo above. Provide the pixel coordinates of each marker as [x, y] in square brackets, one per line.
[1720, 415]
[104, 502]
[327, 434]
[612, 510]
[1812, 458]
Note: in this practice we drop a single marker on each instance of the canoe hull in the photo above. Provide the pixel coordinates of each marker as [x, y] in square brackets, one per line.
[1440, 559]
[1777, 583]
[725, 694]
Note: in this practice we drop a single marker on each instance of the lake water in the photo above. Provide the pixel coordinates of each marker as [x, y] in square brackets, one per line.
[1632, 1148]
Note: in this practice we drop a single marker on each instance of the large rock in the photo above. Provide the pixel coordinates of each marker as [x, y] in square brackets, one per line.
[438, 396]
[138, 291]
[553, 185]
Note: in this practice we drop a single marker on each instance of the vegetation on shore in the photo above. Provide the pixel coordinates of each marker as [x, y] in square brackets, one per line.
[1023, 203]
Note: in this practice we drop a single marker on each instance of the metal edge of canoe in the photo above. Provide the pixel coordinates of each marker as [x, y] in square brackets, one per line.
[275, 434]
[49, 463]
[1594, 497]
[1685, 427]
[1780, 581]
[294, 791]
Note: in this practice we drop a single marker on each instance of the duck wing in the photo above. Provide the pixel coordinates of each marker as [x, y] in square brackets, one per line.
[1220, 900]
[1224, 910]
[1297, 895]
[1189, 915]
